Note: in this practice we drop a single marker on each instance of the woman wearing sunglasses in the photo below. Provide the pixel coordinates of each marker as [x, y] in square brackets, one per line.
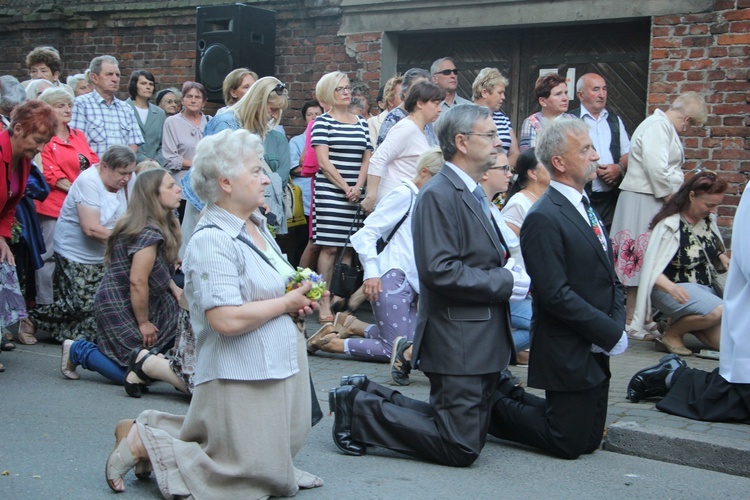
[258, 111]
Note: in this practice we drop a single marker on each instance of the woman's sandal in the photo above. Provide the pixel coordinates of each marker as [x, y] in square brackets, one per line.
[135, 390]
[26, 331]
[121, 460]
[664, 346]
[5, 342]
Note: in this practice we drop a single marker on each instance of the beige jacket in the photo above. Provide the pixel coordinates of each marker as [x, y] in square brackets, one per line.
[656, 158]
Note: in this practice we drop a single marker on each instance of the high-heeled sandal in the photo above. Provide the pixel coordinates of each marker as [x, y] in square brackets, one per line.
[135, 390]
[26, 331]
[121, 460]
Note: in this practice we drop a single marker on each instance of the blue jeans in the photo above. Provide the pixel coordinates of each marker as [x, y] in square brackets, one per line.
[87, 354]
[520, 321]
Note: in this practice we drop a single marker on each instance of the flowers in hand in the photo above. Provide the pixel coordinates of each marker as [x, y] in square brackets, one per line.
[307, 275]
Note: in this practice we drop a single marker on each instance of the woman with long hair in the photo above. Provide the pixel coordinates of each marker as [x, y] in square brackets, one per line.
[136, 304]
[684, 246]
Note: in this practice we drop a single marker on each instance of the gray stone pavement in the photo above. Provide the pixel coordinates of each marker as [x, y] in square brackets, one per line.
[55, 435]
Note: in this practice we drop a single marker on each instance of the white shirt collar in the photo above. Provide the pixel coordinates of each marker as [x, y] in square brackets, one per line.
[470, 183]
[602, 116]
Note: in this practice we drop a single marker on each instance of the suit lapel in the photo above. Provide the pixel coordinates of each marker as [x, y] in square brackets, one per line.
[569, 211]
[473, 205]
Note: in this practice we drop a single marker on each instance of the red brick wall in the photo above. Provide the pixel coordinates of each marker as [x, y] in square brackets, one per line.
[709, 53]
[147, 36]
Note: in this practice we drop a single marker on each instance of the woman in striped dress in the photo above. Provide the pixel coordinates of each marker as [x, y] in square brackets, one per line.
[343, 149]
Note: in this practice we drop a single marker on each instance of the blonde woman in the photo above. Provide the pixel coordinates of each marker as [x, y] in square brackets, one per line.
[342, 147]
[488, 90]
[235, 86]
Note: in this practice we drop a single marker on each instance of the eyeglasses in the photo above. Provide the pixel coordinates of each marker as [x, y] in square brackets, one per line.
[280, 89]
[348, 88]
[447, 72]
[504, 168]
[488, 135]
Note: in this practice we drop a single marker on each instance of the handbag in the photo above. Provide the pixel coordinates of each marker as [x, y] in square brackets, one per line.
[346, 278]
[295, 213]
[718, 277]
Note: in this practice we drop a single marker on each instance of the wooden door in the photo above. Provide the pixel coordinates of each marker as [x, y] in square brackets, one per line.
[618, 51]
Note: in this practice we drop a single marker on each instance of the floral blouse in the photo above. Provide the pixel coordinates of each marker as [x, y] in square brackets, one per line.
[689, 264]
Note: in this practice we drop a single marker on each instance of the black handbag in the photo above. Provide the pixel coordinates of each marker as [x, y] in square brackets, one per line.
[347, 278]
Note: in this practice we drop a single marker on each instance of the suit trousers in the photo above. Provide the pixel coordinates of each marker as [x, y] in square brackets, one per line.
[451, 429]
[565, 424]
[706, 396]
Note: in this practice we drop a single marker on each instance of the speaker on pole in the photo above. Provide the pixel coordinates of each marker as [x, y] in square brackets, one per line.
[233, 36]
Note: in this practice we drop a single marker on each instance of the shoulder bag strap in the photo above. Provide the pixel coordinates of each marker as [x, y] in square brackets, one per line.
[397, 226]
[349, 235]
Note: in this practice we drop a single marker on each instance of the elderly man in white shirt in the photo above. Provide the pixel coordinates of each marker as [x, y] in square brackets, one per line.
[610, 139]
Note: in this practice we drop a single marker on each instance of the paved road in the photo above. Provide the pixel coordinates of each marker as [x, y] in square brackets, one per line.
[57, 433]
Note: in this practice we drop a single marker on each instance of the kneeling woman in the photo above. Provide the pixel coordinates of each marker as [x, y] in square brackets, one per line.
[676, 273]
[136, 303]
[391, 283]
[250, 411]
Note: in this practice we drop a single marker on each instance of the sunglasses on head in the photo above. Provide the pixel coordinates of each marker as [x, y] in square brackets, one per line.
[280, 89]
[447, 72]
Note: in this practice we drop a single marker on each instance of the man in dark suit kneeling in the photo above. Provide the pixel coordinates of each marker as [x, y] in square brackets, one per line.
[578, 305]
[463, 339]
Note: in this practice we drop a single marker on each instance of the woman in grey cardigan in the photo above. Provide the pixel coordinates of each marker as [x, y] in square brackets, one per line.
[250, 412]
[149, 116]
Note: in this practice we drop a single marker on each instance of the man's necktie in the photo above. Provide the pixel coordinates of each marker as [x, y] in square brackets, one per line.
[482, 198]
[595, 224]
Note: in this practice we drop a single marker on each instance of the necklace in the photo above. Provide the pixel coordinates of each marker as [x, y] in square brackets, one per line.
[532, 194]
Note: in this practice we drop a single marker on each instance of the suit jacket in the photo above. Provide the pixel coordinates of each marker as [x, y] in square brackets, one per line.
[577, 298]
[152, 133]
[463, 325]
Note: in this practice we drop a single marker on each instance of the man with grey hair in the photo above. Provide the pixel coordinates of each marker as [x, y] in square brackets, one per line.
[610, 140]
[445, 75]
[463, 340]
[579, 313]
[12, 94]
[105, 119]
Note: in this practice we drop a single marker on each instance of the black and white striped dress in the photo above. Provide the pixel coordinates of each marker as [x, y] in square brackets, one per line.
[347, 143]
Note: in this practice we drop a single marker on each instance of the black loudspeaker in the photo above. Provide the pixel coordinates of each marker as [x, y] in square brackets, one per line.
[233, 36]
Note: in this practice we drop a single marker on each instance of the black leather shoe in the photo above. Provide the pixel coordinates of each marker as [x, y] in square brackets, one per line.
[359, 381]
[654, 381]
[340, 402]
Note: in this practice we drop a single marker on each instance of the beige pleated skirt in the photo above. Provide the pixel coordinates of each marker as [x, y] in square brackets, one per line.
[237, 440]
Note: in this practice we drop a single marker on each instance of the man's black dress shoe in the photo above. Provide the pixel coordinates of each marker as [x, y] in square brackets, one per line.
[340, 402]
[654, 381]
[359, 381]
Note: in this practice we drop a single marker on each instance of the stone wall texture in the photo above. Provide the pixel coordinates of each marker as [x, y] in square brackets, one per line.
[706, 52]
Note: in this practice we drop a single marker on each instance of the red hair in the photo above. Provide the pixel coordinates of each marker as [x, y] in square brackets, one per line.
[34, 117]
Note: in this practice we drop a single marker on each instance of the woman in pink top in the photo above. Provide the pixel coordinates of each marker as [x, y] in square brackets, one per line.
[396, 159]
[63, 159]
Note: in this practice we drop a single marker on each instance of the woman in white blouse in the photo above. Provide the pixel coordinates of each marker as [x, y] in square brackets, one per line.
[396, 159]
[532, 180]
[391, 282]
[250, 411]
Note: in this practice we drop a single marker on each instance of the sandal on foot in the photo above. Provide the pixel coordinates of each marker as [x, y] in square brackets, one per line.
[316, 340]
[26, 331]
[664, 346]
[121, 460]
[135, 389]
[6, 345]
[642, 334]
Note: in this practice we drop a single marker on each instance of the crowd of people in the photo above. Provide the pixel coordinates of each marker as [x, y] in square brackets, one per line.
[154, 242]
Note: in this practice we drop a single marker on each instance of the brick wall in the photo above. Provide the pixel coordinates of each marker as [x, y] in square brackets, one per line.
[146, 35]
[709, 53]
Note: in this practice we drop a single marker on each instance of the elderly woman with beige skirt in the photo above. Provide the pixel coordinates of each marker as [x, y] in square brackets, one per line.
[250, 411]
